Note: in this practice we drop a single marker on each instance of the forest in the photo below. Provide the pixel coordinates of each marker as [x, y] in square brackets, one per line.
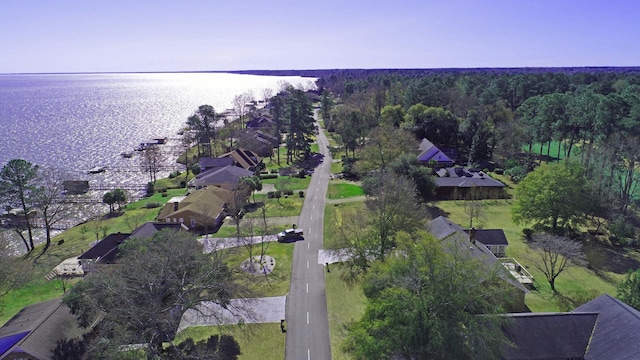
[505, 120]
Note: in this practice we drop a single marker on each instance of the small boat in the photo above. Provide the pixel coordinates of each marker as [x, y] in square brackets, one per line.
[97, 170]
[126, 154]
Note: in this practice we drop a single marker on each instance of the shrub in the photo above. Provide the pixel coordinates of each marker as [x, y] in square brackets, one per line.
[150, 188]
[301, 193]
[499, 171]
[268, 176]
[274, 194]
[151, 205]
[302, 174]
[287, 192]
[183, 184]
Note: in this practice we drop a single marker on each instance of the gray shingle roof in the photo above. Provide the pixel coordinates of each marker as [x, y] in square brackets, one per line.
[617, 332]
[548, 335]
[455, 239]
[46, 323]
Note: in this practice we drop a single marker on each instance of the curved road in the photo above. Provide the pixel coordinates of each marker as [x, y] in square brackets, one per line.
[306, 311]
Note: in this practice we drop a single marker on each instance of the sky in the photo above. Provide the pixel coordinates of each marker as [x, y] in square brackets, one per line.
[195, 35]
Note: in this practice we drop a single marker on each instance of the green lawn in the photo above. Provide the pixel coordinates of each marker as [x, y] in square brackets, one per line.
[336, 167]
[257, 341]
[332, 215]
[289, 206]
[295, 183]
[343, 189]
[345, 304]
[276, 283]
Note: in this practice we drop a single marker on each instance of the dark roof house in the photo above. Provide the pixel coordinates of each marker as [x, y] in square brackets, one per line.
[617, 332]
[207, 163]
[260, 121]
[455, 240]
[601, 329]
[494, 239]
[148, 229]
[245, 159]
[430, 155]
[226, 177]
[104, 251]
[548, 335]
[459, 183]
[34, 331]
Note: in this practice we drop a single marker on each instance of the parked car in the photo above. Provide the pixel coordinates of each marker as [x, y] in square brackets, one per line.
[290, 235]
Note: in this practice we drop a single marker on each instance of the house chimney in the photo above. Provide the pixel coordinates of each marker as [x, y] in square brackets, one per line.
[472, 235]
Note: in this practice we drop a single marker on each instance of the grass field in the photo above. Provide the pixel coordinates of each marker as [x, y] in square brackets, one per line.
[345, 304]
[339, 189]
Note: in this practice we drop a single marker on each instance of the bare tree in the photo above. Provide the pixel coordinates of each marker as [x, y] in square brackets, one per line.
[473, 206]
[267, 93]
[52, 207]
[557, 254]
[240, 106]
[98, 226]
[133, 220]
[152, 159]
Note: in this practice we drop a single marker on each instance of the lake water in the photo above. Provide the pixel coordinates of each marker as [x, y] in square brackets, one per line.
[76, 122]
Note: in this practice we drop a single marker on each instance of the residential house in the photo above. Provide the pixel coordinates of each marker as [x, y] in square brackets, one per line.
[549, 335]
[430, 155]
[226, 177]
[258, 141]
[261, 121]
[617, 331]
[603, 328]
[103, 252]
[245, 159]
[494, 239]
[455, 240]
[202, 209]
[468, 184]
[148, 229]
[207, 163]
[33, 333]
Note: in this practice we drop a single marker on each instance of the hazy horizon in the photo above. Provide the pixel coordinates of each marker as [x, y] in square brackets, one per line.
[71, 36]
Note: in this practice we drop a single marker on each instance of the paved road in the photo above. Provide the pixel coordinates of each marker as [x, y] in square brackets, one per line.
[306, 313]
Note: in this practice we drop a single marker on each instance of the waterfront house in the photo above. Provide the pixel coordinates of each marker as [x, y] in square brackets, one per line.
[103, 252]
[203, 209]
[262, 121]
[245, 159]
[226, 177]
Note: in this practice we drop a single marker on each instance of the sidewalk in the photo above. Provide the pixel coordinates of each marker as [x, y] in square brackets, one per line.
[259, 310]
